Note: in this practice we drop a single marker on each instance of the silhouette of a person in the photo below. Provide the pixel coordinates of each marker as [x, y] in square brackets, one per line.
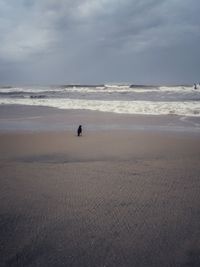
[79, 131]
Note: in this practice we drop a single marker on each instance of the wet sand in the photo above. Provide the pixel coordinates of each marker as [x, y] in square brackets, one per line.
[33, 119]
[109, 198]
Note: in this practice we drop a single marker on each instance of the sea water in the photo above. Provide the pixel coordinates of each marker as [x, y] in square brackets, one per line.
[124, 99]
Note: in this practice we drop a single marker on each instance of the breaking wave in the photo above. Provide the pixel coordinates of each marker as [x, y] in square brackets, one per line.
[129, 99]
[123, 107]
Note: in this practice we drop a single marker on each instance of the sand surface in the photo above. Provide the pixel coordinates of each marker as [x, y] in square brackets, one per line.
[31, 118]
[109, 198]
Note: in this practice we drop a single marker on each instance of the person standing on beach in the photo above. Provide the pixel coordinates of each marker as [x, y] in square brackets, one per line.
[79, 131]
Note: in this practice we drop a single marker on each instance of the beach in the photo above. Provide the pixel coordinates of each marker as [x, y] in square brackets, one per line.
[126, 193]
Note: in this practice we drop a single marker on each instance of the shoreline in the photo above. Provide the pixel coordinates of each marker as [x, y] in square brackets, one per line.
[17, 118]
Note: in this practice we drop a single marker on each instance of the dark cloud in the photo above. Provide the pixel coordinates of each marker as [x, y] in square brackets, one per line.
[148, 41]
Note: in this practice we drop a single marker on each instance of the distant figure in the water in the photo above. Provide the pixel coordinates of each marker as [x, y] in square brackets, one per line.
[79, 131]
[195, 86]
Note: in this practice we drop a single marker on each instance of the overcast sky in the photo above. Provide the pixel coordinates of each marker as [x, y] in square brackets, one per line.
[98, 41]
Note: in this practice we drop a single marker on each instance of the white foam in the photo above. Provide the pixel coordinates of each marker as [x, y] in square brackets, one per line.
[176, 88]
[187, 108]
[26, 89]
[106, 88]
[127, 88]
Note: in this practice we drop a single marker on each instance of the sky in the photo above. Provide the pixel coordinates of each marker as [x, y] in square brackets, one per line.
[99, 41]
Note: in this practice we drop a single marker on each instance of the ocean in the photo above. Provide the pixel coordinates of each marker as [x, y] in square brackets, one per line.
[124, 99]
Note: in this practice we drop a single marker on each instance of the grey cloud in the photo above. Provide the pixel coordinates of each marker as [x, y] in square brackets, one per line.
[84, 40]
